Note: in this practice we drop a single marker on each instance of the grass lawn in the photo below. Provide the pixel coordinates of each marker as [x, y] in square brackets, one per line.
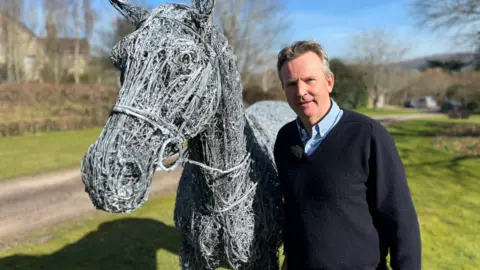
[144, 240]
[474, 119]
[386, 111]
[441, 160]
[30, 154]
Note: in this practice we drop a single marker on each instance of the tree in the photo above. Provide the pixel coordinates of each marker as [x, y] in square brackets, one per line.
[376, 53]
[55, 26]
[449, 66]
[11, 38]
[460, 16]
[350, 90]
[83, 21]
[110, 36]
[253, 28]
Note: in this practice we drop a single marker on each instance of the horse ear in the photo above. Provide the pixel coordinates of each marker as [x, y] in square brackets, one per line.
[134, 14]
[204, 7]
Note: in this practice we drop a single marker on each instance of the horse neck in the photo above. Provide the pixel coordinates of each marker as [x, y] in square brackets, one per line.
[223, 143]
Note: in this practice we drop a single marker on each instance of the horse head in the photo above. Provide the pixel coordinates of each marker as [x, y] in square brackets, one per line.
[170, 91]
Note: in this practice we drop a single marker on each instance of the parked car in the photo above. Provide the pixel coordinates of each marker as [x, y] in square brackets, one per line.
[427, 102]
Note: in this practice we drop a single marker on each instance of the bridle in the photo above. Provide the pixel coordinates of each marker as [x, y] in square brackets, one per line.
[167, 128]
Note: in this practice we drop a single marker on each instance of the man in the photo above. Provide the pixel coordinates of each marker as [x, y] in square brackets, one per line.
[347, 202]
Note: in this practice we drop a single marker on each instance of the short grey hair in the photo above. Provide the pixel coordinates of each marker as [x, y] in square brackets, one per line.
[298, 48]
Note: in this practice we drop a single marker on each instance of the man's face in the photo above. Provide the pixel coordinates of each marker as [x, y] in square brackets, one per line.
[306, 86]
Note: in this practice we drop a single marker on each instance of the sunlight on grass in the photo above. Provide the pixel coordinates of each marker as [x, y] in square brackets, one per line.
[30, 154]
[446, 192]
[144, 240]
[475, 119]
[445, 187]
[385, 111]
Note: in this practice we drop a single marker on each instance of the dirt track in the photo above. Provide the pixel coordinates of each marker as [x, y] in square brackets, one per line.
[30, 203]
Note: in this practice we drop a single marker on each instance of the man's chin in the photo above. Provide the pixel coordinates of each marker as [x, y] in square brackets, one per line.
[306, 114]
[308, 110]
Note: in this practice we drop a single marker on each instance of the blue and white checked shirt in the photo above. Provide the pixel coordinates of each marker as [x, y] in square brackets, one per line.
[320, 130]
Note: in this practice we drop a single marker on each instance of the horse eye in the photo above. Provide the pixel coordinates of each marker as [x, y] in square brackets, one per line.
[186, 58]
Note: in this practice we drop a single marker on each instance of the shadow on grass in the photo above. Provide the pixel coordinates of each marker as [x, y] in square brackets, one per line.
[453, 164]
[431, 129]
[130, 243]
[449, 163]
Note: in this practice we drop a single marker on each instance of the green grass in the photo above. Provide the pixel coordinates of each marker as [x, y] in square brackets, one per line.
[446, 190]
[474, 119]
[143, 240]
[385, 111]
[445, 187]
[31, 154]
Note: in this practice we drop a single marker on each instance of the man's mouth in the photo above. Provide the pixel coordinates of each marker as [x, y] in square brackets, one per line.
[305, 103]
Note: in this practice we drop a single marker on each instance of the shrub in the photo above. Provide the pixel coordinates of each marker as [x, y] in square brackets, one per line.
[32, 108]
[350, 90]
[254, 94]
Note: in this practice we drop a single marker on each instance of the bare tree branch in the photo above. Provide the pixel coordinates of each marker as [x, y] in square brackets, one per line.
[252, 28]
[12, 40]
[375, 53]
[55, 13]
[460, 16]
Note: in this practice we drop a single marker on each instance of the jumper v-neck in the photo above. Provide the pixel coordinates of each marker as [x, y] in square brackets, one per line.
[331, 133]
[321, 129]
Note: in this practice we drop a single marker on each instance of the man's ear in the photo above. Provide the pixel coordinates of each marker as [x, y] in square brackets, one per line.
[204, 7]
[330, 81]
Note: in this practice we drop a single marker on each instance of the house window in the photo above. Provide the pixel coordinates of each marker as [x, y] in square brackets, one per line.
[29, 62]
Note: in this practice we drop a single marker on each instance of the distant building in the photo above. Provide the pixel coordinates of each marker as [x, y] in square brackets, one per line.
[24, 54]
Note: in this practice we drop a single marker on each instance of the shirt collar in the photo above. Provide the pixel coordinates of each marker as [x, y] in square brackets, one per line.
[322, 127]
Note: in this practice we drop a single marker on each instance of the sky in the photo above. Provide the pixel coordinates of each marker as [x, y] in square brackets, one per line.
[333, 23]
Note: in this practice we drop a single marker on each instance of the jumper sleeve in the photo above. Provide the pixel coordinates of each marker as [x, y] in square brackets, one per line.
[394, 209]
[277, 154]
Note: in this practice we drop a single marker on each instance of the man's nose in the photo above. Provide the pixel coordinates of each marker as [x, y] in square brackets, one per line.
[301, 88]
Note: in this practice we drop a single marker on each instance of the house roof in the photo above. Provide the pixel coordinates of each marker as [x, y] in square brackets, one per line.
[62, 45]
[5, 17]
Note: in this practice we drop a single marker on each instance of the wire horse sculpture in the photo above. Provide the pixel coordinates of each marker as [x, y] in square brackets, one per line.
[180, 83]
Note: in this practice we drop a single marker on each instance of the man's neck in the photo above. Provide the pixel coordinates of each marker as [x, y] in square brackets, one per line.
[308, 123]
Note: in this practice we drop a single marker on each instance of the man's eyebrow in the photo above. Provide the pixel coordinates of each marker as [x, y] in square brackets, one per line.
[287, 81]
[290, 81]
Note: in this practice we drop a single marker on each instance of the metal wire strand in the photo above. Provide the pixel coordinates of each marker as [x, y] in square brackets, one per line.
[180, 81]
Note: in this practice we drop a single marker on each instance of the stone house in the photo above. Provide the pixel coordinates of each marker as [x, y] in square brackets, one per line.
[24, 55]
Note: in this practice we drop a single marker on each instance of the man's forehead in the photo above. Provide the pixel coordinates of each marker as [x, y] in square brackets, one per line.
[312, 66]
[295, 74]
